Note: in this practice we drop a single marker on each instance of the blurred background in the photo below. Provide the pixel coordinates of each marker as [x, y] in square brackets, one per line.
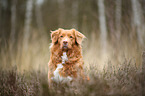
[115, 31]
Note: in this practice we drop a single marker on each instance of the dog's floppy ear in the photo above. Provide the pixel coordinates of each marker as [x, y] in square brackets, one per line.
[54, 35]
[79, 36]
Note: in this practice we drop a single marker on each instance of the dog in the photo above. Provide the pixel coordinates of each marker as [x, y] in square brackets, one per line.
[66, 60]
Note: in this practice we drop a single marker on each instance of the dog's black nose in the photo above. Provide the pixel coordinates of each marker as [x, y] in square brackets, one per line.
[65, 42]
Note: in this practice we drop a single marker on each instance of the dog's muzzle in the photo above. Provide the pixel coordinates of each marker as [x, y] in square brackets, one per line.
[65, 44]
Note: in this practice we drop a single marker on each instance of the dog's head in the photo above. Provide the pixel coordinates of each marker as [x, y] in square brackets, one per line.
[66, 38]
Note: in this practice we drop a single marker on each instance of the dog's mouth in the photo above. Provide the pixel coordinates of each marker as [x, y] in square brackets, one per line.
[65, 47]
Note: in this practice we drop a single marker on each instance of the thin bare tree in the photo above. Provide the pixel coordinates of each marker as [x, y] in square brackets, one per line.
[118, 15]
[28, 18]
[13, 21]
[61, 9]
[38, 15]
[137, 20]
[103, 28]
[75, 13]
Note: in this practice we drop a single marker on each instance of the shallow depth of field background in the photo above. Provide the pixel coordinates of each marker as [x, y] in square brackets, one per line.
[115, 31]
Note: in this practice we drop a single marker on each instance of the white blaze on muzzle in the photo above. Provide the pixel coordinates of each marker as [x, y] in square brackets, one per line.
[65, 39]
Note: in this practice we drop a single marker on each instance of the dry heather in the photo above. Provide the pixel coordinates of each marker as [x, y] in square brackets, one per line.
[125, 81]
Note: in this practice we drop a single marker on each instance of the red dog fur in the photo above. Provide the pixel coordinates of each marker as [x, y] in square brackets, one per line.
[68, 41]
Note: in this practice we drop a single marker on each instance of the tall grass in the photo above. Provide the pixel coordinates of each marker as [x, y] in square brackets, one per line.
[117, 72]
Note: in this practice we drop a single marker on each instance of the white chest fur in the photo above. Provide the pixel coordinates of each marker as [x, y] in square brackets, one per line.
[57, 77]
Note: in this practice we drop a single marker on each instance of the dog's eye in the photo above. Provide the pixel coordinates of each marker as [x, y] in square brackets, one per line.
[61, 36]
[71, 37]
